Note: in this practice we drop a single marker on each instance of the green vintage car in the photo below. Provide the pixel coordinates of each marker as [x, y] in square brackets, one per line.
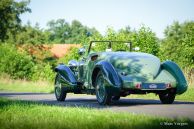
[110, 69]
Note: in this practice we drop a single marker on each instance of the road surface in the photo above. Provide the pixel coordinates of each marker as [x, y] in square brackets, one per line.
[140, 106]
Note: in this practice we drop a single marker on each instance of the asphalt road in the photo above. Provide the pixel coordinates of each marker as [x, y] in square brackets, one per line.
[138, 106]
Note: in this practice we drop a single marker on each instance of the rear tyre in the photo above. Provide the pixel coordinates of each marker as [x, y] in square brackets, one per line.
[167, 98]
[102, 96]
[115, 98]
[60, 92]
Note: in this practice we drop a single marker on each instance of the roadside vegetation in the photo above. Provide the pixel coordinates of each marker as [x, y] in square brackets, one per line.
[22, 115]
[7, 84]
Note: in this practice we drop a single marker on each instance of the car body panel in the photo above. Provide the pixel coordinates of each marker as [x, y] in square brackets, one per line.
[176, 72]
[68, 79]
[123, 71]
[133, 62]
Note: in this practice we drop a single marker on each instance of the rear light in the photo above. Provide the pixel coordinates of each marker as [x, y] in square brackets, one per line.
[138, 86]
[168, 85]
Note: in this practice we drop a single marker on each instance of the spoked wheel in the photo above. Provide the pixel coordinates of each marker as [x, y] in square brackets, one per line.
[102, 96]
[167, 98]
[60, 93]
[115, 98]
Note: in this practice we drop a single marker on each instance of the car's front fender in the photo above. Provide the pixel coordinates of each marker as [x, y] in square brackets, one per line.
[66, 74]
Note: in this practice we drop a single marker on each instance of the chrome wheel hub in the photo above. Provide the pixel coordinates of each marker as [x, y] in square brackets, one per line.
[100, 89]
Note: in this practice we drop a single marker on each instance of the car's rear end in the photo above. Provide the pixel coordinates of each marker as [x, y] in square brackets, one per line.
[143, 73]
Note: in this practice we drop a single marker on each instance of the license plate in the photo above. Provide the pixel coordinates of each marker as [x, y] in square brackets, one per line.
[152, 86]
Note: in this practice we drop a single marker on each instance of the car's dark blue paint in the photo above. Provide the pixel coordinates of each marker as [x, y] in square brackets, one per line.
[66, 74]
[109, 73]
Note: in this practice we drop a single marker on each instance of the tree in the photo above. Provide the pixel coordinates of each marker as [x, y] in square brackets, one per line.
[78, 31]
[63, 32]
[146, 40]
[30, 35]
[10, 12]
[143, 38]
[59, 29]
[178, 44]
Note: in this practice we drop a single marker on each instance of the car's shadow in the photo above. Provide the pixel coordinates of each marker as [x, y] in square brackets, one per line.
[92, 103]
[86, 101]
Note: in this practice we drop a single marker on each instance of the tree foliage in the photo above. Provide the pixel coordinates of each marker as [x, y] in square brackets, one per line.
[143, 38]
[14, 63]
[178, 44]
[10, 12]
[19, 64]
[63, 32]
[59, 29]
[30, 35]
[146, 40]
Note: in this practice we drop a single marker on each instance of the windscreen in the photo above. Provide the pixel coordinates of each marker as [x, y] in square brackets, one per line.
[109, 46]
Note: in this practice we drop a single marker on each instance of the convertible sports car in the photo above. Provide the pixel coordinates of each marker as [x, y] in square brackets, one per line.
[110, 70]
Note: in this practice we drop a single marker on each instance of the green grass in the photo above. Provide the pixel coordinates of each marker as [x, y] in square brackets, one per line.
[187, 96]
[7, 84]
[29, 115]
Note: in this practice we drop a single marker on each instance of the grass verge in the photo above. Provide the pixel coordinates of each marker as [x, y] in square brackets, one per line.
[7, 84]
[22, 115]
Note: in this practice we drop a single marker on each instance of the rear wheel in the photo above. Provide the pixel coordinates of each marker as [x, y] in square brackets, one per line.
[60, 92]
[102, 96]
[167, 98]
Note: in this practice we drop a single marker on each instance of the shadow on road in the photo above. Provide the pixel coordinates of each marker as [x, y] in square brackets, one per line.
[92, 103]
[82, 101]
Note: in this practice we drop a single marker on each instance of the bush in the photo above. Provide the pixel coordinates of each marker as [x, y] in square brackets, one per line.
[178, 44]
[42, 72]
[14, 63]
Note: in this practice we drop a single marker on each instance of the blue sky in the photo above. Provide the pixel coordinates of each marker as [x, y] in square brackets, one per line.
[156, 14]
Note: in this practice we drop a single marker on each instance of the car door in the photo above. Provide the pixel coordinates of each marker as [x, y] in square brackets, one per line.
[84, 71]
[90, 64]
[81, 70]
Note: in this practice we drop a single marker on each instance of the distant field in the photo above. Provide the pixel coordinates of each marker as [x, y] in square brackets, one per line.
[29, 115]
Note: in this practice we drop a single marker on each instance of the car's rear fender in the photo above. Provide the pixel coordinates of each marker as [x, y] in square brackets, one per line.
[111, 76]
[67, 77]
[175, 70]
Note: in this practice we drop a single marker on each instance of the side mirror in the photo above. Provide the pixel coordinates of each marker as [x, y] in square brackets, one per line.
[81, 51]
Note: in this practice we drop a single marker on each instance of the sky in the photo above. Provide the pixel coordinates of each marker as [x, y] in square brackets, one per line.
[156, 14]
